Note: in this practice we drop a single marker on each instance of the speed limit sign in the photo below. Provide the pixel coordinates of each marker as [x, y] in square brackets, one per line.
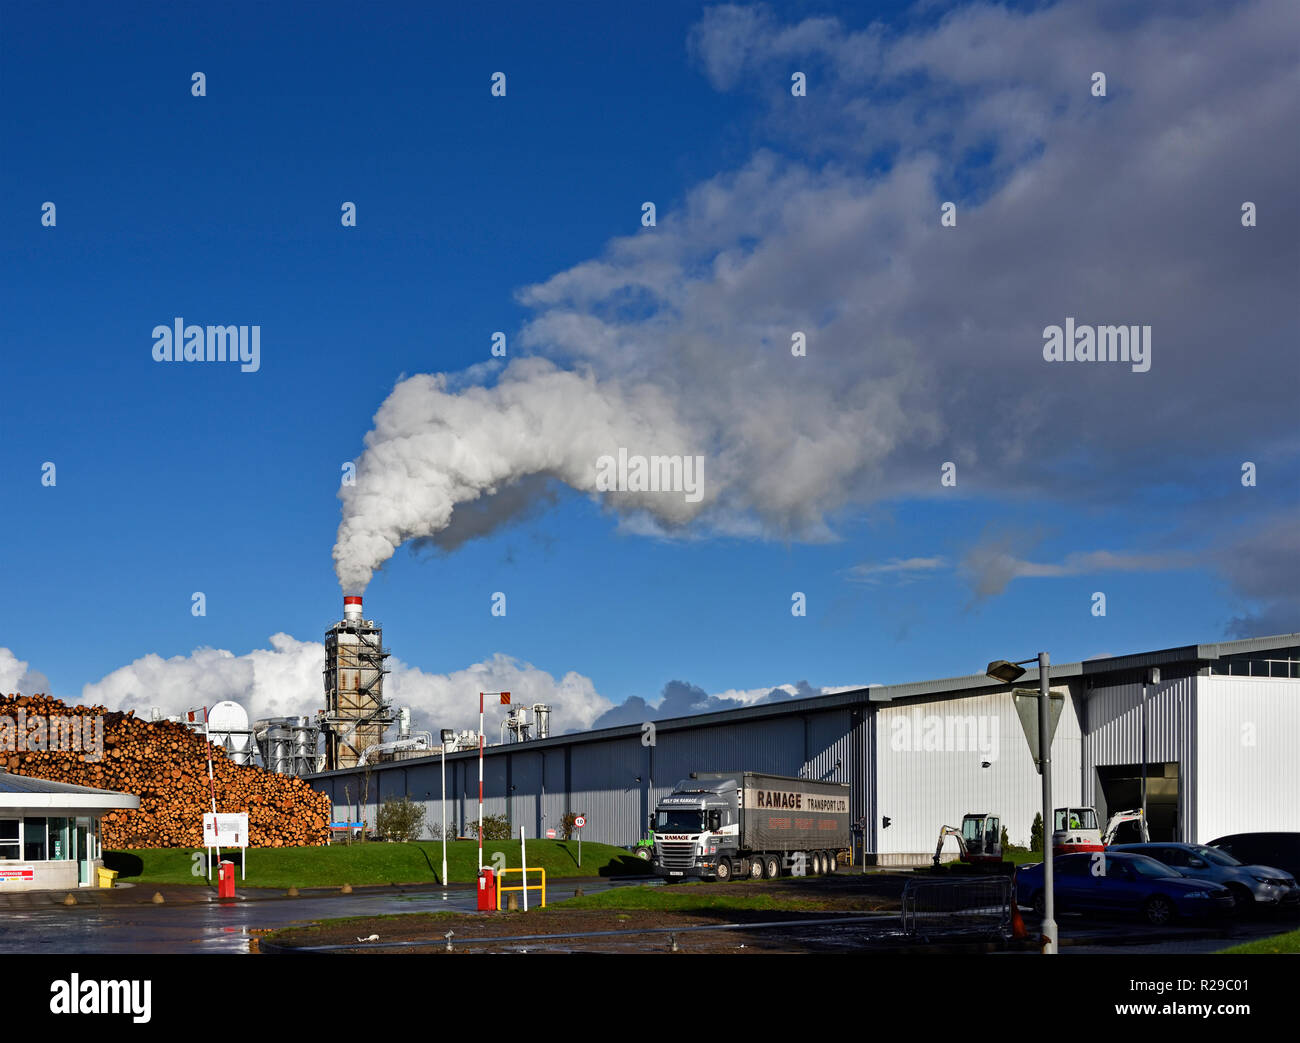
[578, 822]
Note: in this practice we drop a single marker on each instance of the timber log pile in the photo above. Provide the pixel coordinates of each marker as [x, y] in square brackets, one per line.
[166, 766]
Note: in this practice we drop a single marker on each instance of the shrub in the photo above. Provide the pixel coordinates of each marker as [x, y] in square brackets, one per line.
[495, 827]
[400, 820]
[567, 828]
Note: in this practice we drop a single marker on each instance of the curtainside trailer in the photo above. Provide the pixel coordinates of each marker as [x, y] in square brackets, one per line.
[721, 825]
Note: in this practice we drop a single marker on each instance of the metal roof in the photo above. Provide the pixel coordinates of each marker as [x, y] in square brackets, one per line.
[1190, 654]
[25, 791]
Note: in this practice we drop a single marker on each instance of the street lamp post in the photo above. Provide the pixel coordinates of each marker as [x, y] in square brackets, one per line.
[447, 736]
[1045, 759]
[1008, 673]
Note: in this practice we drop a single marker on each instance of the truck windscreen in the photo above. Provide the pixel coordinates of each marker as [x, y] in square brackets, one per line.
[678, 821]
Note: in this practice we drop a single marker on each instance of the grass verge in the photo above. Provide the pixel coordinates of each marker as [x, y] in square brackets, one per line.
[1288, 942]
[375, 863]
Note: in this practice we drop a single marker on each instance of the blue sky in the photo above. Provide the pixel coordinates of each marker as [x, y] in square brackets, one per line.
[478, 214]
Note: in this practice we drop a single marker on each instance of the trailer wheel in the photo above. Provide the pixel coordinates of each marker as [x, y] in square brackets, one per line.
[724, 870]
[771, 867]
[832, 858]
[815, 862]
[755, 866]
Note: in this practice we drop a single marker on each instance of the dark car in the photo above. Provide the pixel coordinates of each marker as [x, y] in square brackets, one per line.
[1104, 881]
[1250, 885]
[1267, 849]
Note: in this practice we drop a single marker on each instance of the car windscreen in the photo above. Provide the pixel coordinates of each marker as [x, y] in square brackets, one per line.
[678, 821]
[1144, 866]
[1213, 855]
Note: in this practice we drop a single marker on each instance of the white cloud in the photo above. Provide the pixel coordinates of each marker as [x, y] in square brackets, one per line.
[285, 680]
[905, 567]
[17, 678]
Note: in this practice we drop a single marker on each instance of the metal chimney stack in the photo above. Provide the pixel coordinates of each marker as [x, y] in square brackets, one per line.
[356, 712]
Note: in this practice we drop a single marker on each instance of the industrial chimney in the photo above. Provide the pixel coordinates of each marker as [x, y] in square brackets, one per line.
[356, 713]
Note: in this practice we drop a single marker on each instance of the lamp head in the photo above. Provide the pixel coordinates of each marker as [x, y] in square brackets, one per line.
[1001, 670]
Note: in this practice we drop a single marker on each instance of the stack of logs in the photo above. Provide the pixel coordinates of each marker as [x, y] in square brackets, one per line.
[166, 766]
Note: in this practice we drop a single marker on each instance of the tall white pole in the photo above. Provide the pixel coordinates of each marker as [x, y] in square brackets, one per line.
[480, 783]
[211, 781]
[212, 784]
[444, 814]
[523, 862]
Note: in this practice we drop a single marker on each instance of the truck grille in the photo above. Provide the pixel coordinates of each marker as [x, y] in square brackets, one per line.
[676, 854]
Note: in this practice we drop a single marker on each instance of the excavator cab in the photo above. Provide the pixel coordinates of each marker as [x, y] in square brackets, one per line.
[981, 835]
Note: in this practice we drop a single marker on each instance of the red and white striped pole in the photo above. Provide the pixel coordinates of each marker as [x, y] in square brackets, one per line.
[480, 783]
[212, 783]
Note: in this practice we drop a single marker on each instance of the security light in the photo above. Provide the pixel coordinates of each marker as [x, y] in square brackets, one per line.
[1001, 670]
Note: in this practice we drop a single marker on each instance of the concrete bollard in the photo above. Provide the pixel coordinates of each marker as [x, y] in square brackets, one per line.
[512, 903]
[346, 889]
[293, 892]
[577, 892]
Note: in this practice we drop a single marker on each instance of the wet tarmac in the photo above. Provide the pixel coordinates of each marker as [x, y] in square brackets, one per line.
[207, 925]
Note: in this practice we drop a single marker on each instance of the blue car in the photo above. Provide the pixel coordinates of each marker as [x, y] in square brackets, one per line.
[1113, 882]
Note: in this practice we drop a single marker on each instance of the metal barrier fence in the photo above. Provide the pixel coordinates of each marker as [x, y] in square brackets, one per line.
[533, 871]
[971, 906]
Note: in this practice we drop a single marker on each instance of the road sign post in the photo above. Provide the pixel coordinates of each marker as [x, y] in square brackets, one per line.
[1038, 719]
[1027, 702]
[578, 822]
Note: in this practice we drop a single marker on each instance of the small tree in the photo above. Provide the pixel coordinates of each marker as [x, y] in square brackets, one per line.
[567, 827]
[1005, 839]
[495, 827]
[400, 820]
[1036, 833]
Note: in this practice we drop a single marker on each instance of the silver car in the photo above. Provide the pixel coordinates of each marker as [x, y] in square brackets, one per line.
[1250, 885]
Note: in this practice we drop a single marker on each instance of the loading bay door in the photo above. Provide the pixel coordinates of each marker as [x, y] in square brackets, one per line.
[1119, 787]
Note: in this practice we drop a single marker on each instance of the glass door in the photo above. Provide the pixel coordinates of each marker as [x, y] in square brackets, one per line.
[82, 854]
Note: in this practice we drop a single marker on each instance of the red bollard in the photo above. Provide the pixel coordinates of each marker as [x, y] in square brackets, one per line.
[226, 879]
[487, 891]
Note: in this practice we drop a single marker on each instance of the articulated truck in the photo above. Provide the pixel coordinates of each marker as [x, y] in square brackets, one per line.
[723, 825]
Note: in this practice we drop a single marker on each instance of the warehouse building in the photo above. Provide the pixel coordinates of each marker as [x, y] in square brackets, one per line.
[1218, 725]
[49, 832]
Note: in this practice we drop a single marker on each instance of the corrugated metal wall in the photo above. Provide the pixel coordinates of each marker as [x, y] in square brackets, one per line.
[526, 788]
[1248, 771]
[602, 778]
[930, 755]
[616, 782]
[1198, 722]
[1113, 726]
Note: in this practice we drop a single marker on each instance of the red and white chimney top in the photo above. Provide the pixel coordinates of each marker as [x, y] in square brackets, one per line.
[352, 608]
